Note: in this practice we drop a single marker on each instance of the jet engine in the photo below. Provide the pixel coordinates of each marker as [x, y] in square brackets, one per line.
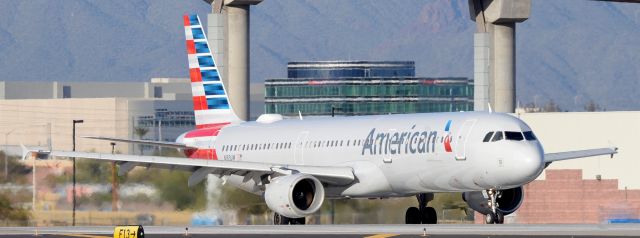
[508, 202]
[294, 196]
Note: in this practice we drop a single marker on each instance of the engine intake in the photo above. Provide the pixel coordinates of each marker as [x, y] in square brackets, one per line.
[508, 202]
[294, 196]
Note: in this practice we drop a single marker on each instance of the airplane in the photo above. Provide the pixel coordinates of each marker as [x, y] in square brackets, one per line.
[295, 164]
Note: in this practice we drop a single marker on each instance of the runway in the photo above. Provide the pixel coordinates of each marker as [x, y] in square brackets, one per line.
[378, 231]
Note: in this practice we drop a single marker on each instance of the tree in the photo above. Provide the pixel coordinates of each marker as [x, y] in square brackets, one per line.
[172, 188]
[17, 171]
[551, 106]
[591, 106]
[11, 213]
[141, 132]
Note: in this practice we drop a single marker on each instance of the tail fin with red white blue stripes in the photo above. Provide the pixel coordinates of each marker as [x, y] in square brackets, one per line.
[210, 101]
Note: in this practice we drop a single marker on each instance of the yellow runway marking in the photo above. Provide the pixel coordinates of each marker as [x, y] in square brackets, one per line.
[84, 236]
[381, 236]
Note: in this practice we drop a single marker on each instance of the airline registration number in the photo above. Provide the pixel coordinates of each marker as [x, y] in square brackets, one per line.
[232, 157]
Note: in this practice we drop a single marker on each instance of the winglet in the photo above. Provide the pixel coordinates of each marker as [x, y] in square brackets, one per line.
[39, 153]
[490, 110]
[25, 151]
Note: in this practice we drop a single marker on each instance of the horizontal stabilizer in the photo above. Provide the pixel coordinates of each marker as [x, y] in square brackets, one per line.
[144, 142]
[551, 157]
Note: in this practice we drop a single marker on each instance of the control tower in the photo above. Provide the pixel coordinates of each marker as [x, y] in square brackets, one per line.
[495, 51]
[228, 34]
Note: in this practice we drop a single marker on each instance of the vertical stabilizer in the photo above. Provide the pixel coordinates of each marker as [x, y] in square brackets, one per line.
[210, 99]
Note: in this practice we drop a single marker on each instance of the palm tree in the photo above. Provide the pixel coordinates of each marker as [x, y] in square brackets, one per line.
[140, 132]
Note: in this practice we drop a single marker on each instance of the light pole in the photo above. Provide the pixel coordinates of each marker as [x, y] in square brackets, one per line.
[114, 182]
[74, 171]
[6, 158]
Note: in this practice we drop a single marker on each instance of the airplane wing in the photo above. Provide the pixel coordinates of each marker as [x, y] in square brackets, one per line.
[146, 142]
[201, 168]
[551, 157]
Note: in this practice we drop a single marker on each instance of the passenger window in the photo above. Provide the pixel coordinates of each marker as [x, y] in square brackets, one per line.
[528, 135]
[497, 136]
[513, 135]
[487, 137]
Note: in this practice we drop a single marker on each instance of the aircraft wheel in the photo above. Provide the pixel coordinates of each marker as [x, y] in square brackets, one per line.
[280, 219]
[429, 216]
[297, 221]
[499, 217]
[412, 216]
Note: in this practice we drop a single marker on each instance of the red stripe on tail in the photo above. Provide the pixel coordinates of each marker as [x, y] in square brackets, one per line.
[191, 47]
[200, 103]
[195, 75]
[185, 18]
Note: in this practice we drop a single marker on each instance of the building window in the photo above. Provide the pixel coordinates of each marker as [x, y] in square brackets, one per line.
[66, 91]
[157, 92]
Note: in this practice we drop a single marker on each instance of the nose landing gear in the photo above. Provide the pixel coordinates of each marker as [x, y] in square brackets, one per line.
[422, 214]
[495, 216]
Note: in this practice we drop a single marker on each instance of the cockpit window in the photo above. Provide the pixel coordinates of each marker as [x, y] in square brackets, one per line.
[497, 136]
[529, 135]
[513, 135]
[487, 137]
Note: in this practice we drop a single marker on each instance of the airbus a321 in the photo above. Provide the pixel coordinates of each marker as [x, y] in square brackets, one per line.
[296, 164]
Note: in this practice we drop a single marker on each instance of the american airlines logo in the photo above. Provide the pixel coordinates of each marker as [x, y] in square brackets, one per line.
[408, 142]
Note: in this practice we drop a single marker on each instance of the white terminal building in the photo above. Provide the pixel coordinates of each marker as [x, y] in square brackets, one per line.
[34, 113]
[565, 131]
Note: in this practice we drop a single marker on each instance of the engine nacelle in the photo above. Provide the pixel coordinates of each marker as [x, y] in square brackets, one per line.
[508, 202]
[294, 196]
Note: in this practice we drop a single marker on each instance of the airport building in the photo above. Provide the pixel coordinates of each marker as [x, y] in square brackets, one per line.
[36, 113]
[363, 88]
[596, 190]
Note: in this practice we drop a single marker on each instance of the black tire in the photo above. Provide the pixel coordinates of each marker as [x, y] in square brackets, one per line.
[297, 221]
[499, 217]
[280, 219]
[429, 216]
[412, 216]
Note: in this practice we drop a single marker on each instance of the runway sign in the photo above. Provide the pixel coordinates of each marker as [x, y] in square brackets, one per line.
[130, 231]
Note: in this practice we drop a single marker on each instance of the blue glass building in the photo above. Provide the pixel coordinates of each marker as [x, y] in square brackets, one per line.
[363, 88]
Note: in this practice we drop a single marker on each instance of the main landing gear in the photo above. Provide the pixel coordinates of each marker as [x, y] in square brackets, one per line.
[495, 216]
[282, 220]
[422, 214]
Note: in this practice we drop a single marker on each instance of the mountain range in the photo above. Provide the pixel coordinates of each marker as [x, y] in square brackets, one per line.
[571, 52]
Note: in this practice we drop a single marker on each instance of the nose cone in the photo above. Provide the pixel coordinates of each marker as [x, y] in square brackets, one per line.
[526, 164]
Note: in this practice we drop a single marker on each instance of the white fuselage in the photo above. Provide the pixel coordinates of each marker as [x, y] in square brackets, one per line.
[391, 155]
